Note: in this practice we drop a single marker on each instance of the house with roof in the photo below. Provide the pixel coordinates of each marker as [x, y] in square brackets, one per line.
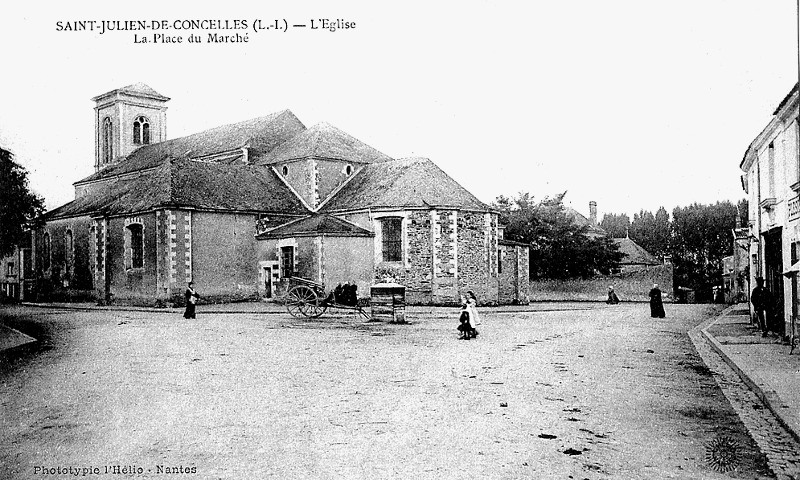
[771, 179]
[241, 208]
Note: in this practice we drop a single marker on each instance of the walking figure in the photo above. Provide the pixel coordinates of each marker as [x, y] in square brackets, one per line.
[191, 300]
[761, 298]
[656, 305]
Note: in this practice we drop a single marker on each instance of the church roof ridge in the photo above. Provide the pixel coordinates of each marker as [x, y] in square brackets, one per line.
[261, 134]
[136, 89]
[414, 182]
[324, 140]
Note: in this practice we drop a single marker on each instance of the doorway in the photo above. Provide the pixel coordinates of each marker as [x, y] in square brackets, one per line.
[773, 277]
[268, 282]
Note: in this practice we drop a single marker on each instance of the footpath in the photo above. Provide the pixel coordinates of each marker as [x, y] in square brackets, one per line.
[763, 363]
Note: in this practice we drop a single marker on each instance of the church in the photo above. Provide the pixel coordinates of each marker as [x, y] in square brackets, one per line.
[241, 208]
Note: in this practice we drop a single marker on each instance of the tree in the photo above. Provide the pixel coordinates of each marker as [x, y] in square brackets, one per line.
[652, 232]
[616, 225]
[559, 248]
[18, 205]
[701, 236]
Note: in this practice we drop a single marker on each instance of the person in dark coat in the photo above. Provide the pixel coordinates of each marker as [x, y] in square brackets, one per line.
[761, 299]
[613, 299]
[656, 305]
[191, 300]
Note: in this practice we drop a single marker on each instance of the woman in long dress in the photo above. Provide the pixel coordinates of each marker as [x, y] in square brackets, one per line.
[191, 299]
[656, 305]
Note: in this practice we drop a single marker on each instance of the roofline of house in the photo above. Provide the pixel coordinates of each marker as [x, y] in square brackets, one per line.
[122, 91]
[116, 175]
[389, 208]
[317, 157]
[266, 235]
[783, 112]
[96, 214]
[338, 189]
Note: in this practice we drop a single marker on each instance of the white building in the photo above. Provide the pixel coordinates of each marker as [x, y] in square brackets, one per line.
[772, 182]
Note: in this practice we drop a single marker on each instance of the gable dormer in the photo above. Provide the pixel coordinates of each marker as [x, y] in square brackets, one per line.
[125, 119]
[318, 161]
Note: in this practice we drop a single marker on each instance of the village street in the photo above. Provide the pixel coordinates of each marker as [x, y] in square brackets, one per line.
[586, 391]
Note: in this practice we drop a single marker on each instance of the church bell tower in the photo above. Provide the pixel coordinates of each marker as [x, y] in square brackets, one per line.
[126, 119]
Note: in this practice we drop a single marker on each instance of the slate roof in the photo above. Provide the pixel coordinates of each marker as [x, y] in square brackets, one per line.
[408, 182]
[187, 183]
[580, 220]
[316, 225]
[634, 253]
[138, 89]
[260, 134]
[323, 141]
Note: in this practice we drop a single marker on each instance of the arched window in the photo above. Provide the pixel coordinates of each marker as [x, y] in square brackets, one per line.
[46, 251]
[141, 131]
[285, 170]
[134, 246]
[348, 170]
[108, 141]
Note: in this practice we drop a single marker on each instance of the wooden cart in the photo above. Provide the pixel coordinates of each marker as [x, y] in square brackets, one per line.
[309, 299]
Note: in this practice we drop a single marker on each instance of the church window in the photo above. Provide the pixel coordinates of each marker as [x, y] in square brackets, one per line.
[287, 262]
[134, 246]
[141, 131]
[46, 251]
[285, 170]
[348, 170]
[108, 141]
[392, 239]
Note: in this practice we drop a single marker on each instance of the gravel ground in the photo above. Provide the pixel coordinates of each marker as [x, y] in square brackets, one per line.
[601, 393]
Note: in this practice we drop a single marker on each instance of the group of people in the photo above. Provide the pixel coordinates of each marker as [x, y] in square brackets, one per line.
[469, 318]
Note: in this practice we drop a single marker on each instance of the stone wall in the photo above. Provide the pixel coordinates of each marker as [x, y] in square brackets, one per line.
[477, 255]
[633, 286]
[513, 283]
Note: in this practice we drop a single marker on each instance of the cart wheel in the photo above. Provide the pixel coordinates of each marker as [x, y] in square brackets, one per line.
[314, 310]
[300, 299]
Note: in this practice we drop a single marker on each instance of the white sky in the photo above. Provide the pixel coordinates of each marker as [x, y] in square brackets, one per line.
[634, 104]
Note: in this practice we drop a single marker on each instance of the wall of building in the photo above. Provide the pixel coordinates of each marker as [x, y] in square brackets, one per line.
[69, 275]
[513, 284]
[301, 176]
[446, 252]
[223, 256]
[330, 174]
[477, 255]
[347, 260]
[772, 176]
[131, 285]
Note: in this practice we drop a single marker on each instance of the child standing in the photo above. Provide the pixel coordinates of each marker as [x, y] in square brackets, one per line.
[472, 308]
[464, 325]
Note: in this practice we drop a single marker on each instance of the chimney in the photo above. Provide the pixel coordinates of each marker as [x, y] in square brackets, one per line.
[593, 212]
